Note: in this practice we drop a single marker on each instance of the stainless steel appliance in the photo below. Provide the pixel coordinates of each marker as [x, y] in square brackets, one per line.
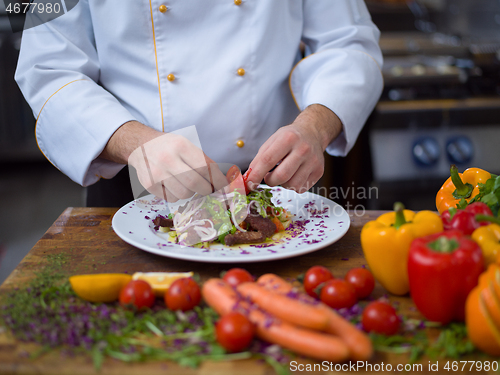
[441, 103]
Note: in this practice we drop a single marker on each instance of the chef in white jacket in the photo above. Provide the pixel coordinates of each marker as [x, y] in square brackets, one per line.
[108, 77]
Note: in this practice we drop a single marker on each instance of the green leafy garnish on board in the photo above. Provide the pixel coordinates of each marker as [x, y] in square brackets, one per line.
[452, 342]
[47, 312]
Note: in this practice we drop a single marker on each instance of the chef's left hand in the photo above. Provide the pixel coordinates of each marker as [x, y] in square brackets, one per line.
[298, 148]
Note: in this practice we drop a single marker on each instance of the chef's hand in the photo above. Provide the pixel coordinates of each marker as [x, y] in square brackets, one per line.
[167, 165]
[298, 148]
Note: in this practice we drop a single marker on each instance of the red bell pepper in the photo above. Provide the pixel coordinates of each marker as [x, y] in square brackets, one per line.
[442, 269]
[465, 220]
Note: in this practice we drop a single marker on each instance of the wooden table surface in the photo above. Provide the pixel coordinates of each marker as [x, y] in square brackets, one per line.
[90, 245]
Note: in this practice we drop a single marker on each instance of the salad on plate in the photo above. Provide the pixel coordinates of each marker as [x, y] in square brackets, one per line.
[230, 216]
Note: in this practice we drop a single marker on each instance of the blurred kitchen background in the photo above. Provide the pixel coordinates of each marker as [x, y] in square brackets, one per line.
[440, 106]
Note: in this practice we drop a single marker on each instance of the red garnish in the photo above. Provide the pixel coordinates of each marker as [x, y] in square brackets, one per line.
[245, 179]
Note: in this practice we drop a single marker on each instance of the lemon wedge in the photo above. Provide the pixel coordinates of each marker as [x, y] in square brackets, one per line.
[160, 281]
[100, 287]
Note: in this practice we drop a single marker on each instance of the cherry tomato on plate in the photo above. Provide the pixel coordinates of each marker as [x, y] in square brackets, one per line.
[362, 280]
[315, 276]
[380, 317]
[183, 294]
[137, 293]
[236, 180]
[233, 173]
[338, 294]
[236, 276]
[234, 332]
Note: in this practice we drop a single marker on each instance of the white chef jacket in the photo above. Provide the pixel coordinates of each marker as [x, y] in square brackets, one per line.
[232, 68]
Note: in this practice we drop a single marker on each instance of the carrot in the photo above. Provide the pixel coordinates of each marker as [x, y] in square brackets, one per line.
[358, 342]
[279, 224]
[274, 283]
[300, 311]
[224, 299]
[221, 297]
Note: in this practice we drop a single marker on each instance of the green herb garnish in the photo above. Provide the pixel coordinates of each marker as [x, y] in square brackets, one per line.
[489, 193]
[452, 342]
[47, 312]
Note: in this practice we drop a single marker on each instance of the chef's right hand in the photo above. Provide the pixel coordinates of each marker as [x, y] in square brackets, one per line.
[168, 165]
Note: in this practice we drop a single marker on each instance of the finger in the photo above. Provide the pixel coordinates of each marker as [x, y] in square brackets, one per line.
[178, 188]
[175, 155]
[141, 166]
[299, 183]
[162, 192]
[285, 170]
[167, 194]
[209, 177]
[217, 178]
[195, 159]
[181, 179]
[267, 160]
[305, 178]
[193, 181]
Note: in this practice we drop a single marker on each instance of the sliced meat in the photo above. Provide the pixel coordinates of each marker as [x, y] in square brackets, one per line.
[192, 237]
[202, 214]
[182, 208]
[253, 211]
[162, 221]
[244, 237]
[261, 224]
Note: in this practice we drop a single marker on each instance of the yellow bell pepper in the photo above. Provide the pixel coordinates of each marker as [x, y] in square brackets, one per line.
[386, 242]
[488, 239]
[460, 186]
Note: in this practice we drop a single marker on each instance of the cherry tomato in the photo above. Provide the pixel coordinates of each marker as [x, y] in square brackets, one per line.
[234, 331]
[236, 276]
[183, 294]
[362, 280]
[338, 294]
[315, 276]
[137, 293]
[380, 317]
[232, 173]
[236, 181]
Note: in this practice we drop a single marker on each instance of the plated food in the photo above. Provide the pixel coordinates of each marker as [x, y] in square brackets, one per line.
[316, 222]
[229, 219]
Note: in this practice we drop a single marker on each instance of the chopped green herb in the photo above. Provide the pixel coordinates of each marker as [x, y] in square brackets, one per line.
[47, 312]
[452, 342]
[489, 193]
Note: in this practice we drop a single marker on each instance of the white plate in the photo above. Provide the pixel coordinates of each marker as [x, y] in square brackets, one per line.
[324, 223]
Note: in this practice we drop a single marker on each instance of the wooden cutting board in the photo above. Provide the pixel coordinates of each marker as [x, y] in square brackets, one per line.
[89, 244]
